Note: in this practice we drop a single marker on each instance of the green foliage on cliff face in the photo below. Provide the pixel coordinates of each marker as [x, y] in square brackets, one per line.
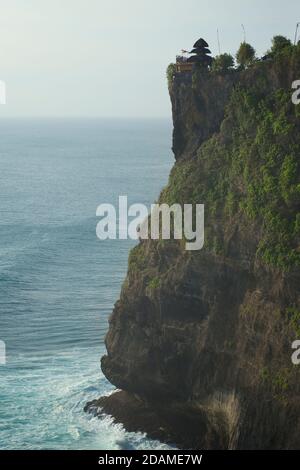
[250, 171]
[154, 283]
[269, 162]
[293, 315]
[279, 381]
[171, 70]
[137, 259]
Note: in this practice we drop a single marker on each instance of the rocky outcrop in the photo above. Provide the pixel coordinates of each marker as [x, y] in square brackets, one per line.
[200, 342]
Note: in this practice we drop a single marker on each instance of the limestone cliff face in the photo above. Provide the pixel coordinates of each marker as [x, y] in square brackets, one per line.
[202, 340]
[198, 106]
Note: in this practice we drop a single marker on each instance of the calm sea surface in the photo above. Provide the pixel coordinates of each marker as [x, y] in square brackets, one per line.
[58, 282]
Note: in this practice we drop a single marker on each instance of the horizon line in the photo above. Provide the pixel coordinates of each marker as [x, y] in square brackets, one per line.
[88, 117]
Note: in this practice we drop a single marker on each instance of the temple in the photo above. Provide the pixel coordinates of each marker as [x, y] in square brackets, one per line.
[199, 57]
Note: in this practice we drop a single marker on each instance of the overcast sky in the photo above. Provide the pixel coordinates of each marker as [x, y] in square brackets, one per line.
[108, 58]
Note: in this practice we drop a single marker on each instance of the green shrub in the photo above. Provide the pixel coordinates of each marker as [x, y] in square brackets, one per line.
[279, 43]
[154, 283]
[293, 315]
[171, 71]
[222, 63]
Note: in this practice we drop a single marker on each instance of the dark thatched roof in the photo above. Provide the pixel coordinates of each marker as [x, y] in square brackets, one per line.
[200, 50]
[200, 43]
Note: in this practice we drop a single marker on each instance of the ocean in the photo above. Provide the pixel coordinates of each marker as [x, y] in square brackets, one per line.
[58, 281]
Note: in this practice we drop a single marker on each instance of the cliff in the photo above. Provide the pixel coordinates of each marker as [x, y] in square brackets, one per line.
[200, 342]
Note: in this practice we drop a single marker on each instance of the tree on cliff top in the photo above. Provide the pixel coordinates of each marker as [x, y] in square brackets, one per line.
[279, 43]
[222, 62]
[245, 55]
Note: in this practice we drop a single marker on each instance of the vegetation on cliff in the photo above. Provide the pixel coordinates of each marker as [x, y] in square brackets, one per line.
[222, 63]
[245, 55]
[251, 168]
[200, 342]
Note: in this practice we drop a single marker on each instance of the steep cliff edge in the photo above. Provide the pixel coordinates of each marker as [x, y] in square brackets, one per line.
[200, 342]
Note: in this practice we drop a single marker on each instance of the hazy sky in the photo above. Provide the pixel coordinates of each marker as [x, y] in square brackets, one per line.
[108, 58]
